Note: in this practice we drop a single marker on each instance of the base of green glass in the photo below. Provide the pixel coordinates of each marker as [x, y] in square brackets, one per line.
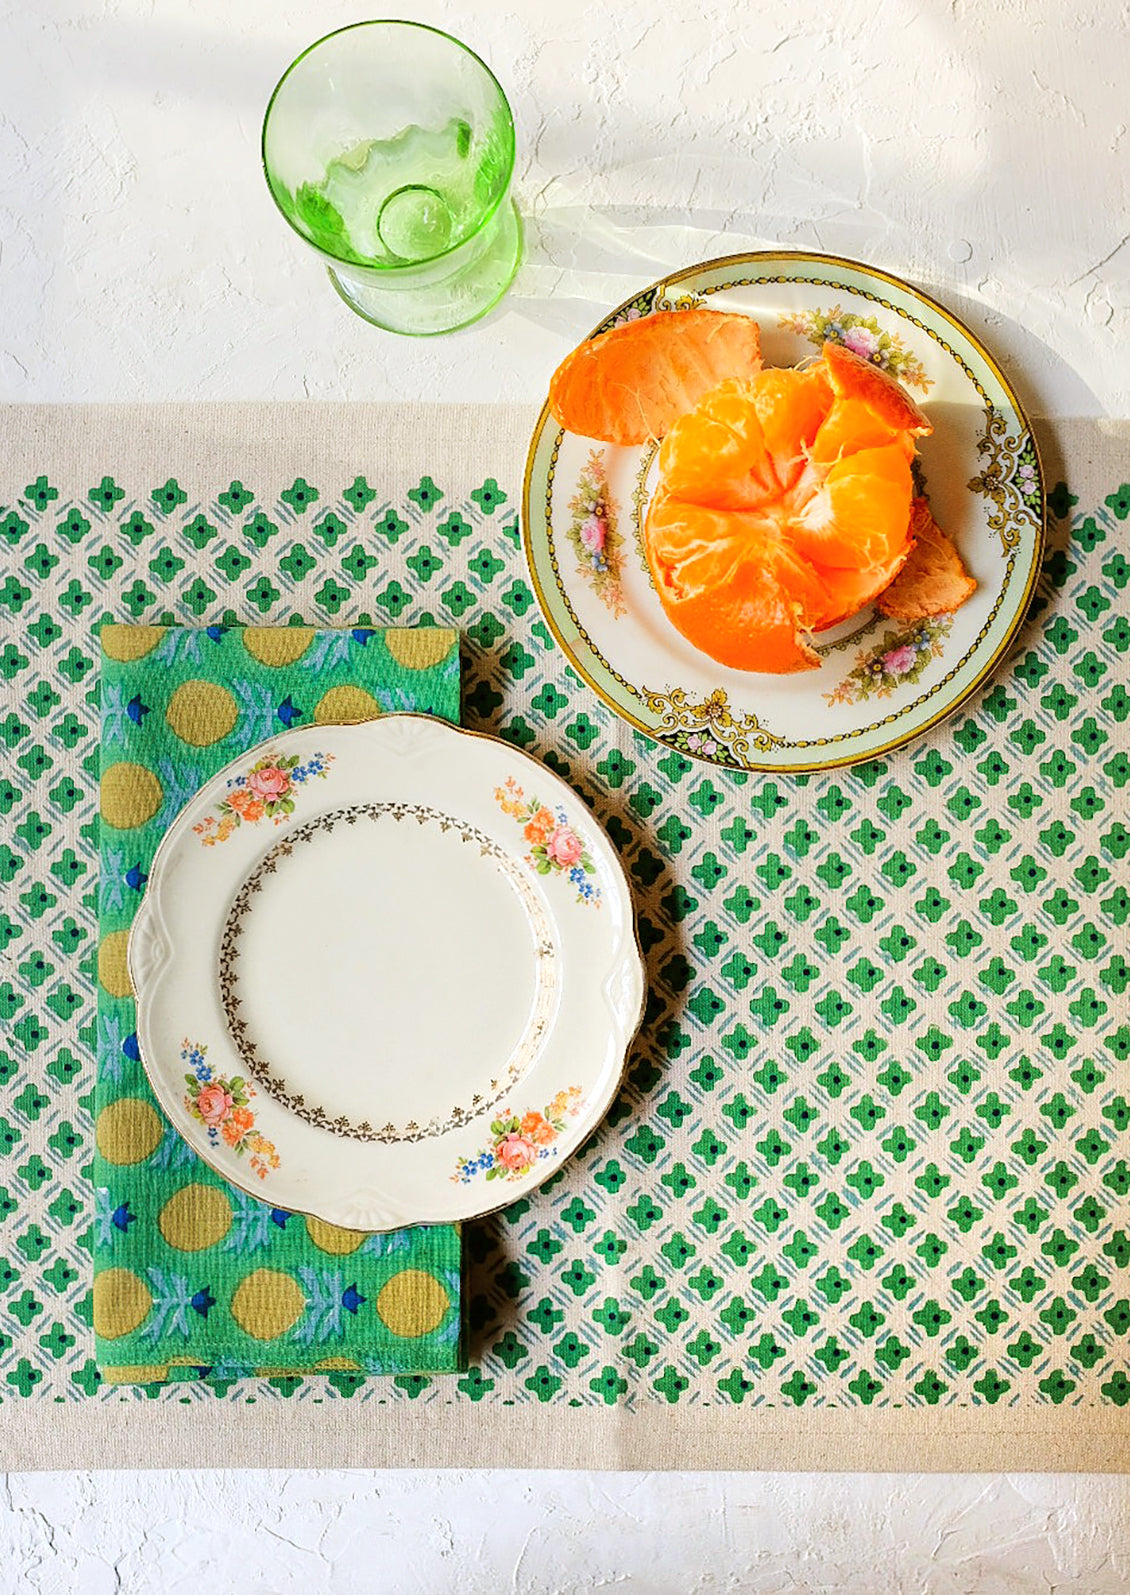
[424, 309]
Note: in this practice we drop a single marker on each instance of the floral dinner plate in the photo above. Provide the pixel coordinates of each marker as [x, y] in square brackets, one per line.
[880, 683]
[387, 973]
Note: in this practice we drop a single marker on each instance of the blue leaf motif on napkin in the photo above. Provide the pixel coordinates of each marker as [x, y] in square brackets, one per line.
[172, 1302]
[257, 708]
[114, 1046]
[254, 1224]
[110, 1216]
[327, 650]
[388, 1245]
[115, 712]
[111, 887]
[173, 1152]
[179, 782]
[180, 642]
[325, 1300]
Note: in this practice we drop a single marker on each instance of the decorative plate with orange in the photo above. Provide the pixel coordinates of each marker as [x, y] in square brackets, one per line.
[860, 686]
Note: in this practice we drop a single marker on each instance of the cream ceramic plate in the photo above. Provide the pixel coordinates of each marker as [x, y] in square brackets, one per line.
[386, 974]
[880, 683]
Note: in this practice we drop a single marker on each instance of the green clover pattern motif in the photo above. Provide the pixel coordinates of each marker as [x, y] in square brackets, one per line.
[872, 1144]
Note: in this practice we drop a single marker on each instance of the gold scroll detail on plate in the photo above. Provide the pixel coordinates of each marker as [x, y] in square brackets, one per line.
[710, 729]
[1010, 479]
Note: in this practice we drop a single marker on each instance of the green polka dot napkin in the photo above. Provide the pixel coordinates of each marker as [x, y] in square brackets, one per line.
[193, 1279]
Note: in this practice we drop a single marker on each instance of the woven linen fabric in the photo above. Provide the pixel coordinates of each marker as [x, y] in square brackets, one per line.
[191, 1277]
[863, 1199]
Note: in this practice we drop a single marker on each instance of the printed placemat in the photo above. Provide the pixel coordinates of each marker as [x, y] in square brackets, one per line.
[863, 1199]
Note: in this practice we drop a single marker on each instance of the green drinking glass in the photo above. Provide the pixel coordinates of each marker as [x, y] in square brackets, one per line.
[389, 148]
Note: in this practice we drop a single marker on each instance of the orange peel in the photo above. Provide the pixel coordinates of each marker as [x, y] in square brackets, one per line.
[630, 384]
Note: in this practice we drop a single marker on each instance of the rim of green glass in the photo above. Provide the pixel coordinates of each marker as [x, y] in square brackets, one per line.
[488, 213]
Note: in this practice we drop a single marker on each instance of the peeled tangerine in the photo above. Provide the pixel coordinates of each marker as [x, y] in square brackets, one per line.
[784, 506]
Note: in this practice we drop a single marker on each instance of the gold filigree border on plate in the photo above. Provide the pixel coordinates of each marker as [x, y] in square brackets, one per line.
[524, 1053]
[639, 502]
[710, 729]
[1000, 481]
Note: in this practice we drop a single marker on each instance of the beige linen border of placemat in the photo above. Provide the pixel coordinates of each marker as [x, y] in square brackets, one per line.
[198, 444]
[820, 1439]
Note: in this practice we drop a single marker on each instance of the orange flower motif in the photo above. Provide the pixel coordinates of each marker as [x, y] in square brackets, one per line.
[537, 1128]
[236, 1125]
[564, 1102]
[263, 1155]
[541, 827]
[247, 804]
[520, 1142]
[509, 797]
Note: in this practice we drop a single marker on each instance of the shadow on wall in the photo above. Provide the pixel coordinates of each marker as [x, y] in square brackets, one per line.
[972, 151]
[582, 260]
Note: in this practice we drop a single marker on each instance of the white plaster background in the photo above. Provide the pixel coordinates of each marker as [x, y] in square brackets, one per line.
[977, 146]
[510, 1533]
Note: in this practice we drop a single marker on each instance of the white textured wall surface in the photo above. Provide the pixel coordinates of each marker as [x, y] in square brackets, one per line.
[980, 149]
[506, 1533]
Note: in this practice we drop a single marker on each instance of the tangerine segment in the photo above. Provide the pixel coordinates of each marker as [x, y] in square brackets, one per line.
[731, 585]
[859, 518]
[791, 406]
[848, 591]
[717, 453]
[631, 384]
[853, 377]
[849, 425]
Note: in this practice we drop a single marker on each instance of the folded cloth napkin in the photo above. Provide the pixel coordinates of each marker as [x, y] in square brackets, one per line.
[192, 1278]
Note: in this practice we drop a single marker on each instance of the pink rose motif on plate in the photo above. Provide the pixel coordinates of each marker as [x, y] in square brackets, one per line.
[515, 1153]
[519, 1140]
[564, 847]
[267, 791]
[862, 341]
[592, 533]
[270, 783]
[214, 1104]
[900, 657]
[556, 847]
[864, 336]
[220, 1104]
[901, 660]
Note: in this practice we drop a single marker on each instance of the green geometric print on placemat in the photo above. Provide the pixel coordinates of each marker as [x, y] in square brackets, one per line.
[190, 1276]
[872, 1147]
